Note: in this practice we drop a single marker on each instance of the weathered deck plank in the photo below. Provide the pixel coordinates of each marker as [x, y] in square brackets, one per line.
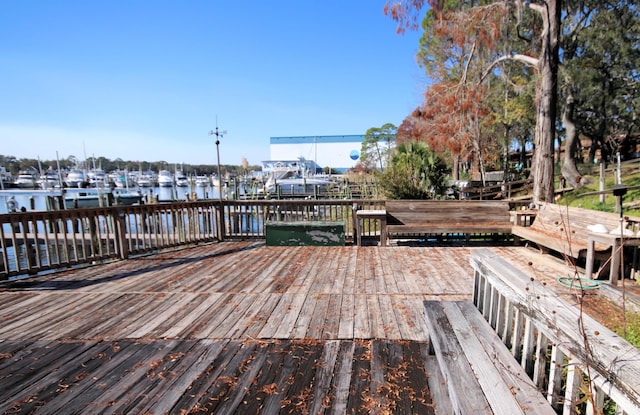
[347, 310]
[235, 327]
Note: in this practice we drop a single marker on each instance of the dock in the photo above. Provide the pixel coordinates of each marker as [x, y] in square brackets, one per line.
[236, 327]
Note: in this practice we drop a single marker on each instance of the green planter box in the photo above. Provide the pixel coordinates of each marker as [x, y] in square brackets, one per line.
[304, 233]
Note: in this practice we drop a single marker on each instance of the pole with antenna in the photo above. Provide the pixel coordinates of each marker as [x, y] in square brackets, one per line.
[219, 135]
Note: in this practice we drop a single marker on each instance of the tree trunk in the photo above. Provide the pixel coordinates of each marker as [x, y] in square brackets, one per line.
[569, 169]
[505, 154]
[456, 167]
[543, 162]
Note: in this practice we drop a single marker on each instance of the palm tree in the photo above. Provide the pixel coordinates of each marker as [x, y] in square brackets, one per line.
[415, 172]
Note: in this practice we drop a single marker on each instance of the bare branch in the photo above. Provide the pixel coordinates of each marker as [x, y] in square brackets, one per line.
[463, 80]
[528, 60]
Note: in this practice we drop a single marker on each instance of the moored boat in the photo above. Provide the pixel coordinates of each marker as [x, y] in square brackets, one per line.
[97, 178]
[25, 180]
[202, 181]
[100, 199]
[48, 180]
[294, 176]
[181, 179]
[144, 180]
[165, 178]
[76, 178]
[128, 198]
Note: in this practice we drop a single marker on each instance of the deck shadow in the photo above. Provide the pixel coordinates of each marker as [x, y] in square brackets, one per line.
[41, 283]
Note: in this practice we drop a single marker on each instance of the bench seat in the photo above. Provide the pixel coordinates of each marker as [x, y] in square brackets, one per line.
[566, 229]
[481, 375]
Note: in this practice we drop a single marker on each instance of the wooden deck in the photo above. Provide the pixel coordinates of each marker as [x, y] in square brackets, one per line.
[234, 327]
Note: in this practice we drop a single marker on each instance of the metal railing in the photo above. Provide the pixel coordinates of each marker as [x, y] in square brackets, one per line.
[38, 241]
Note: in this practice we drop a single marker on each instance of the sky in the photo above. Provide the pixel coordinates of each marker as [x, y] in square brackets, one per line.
[147, 80]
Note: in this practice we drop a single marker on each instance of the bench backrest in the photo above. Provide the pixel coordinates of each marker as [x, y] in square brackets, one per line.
[423, 212]
[574, 221]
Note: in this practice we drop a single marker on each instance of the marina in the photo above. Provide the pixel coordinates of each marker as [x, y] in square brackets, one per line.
[34, 199]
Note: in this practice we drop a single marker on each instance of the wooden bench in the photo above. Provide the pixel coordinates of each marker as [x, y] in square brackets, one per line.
[409, 218]
[566, 230]
[481, 375]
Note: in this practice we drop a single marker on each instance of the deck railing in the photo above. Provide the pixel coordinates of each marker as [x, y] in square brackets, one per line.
[37, 241]
[579, 365]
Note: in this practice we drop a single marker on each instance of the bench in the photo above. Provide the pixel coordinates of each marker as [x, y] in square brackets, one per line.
[301, 233]
[408, 218]
[566, 230]
[481, 375]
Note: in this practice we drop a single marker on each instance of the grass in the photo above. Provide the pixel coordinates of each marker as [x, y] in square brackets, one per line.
[630, 177]
[633, 329]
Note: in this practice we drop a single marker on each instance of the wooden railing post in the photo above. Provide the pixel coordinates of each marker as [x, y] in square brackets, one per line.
[121, 235]
[221, 224]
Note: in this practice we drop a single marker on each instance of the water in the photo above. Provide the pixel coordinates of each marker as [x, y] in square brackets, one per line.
[37, 199]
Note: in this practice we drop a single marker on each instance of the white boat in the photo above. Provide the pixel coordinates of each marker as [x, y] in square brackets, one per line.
[101, 199]
[145, 180]
[294, 176]
[294, 182]
[25, 180]
[76, 178]
[97, 178]
[202, 181]
[48, 180]
[181, 179]
[165, 178]
[120, 179]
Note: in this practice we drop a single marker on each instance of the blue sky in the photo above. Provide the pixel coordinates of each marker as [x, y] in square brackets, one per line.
[145, 80]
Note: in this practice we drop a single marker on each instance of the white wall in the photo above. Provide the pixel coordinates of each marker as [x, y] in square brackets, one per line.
[334, 155]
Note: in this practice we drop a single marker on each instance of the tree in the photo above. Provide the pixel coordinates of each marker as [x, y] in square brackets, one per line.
[512, 102]
[451, 122]
[414, 172]
[547, 42]
[373, 153]
[455, 119]
[601, 88]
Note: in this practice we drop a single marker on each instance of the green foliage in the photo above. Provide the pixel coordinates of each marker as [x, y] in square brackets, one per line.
[329, 170]
[600, 70]
[414, 172]
[633, 329]
[513, 106]
[377, 145]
